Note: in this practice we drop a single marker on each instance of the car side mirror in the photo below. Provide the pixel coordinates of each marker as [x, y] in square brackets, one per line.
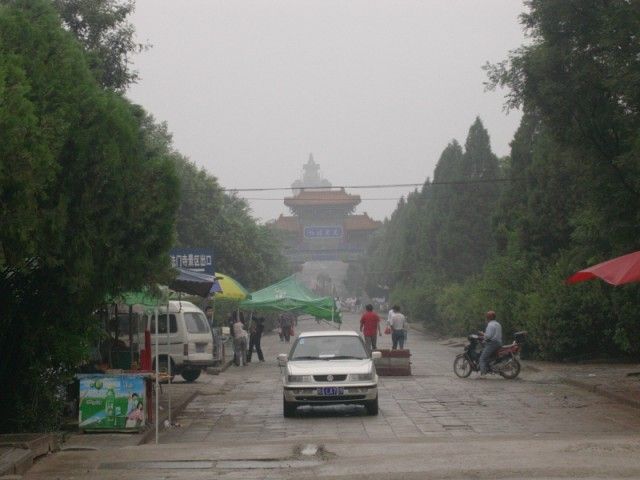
[376, 355]
[282, 359]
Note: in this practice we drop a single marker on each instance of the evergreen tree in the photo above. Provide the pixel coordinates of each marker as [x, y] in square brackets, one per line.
[86, 209]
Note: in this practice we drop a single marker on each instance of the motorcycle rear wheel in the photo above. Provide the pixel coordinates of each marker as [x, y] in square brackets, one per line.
[512, 370]
[462, 367]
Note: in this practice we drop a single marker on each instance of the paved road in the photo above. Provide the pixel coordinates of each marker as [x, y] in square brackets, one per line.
[431, 425]
[432, 402]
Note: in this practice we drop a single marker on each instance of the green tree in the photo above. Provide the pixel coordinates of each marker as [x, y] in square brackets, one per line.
[441, 234]
[210, 218]
[89, 209]
[579, 76]
[102, 28]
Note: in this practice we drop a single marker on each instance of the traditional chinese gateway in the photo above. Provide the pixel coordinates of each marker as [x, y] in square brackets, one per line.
[323, 226]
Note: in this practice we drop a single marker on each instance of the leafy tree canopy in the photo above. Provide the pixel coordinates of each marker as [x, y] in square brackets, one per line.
[102, 28]
[87, 209]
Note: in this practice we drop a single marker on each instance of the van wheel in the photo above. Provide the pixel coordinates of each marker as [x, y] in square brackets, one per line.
[191, 375]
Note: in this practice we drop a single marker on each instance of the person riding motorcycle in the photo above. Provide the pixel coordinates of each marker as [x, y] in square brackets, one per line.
[492, 341]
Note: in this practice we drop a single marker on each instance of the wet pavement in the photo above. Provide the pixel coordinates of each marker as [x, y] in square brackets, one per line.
[430, 425]
[432, 402]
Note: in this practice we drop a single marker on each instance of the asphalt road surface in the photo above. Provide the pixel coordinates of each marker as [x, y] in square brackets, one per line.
[431, 425]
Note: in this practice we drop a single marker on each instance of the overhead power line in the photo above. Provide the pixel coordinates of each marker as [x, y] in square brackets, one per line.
[330, 201]
[376, 186]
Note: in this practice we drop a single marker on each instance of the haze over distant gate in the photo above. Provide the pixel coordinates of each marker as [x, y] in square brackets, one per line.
[323, 226]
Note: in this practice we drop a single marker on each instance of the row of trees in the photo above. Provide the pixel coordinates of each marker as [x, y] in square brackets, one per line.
[468, 241]
[92, 197]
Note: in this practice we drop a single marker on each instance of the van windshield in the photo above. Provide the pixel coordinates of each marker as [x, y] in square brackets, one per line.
[196, 322]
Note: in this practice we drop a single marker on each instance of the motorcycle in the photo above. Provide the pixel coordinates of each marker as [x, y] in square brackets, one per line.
[505, 362]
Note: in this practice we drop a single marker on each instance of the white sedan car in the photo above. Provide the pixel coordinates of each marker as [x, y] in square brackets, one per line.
[327, 368]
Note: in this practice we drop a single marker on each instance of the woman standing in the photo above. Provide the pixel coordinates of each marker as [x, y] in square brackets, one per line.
[240, 338]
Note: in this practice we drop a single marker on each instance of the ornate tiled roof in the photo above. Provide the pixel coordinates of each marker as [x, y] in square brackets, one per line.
[322, 197]
[289, 224]
[361, 222]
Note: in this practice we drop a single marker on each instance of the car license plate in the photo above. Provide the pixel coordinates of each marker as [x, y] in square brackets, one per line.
[330, 391]
[200, 347]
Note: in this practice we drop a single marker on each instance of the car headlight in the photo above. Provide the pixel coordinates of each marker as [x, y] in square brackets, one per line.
[359, 377]
[299, 378]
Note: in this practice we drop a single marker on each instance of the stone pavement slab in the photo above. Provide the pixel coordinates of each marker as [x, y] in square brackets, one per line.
[616, 381]
[619, 382]
[432, 402]
[15, 460]
[243, 405]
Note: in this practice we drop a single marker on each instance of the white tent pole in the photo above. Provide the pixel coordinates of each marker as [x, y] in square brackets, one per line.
[157, 375]
[169, 359]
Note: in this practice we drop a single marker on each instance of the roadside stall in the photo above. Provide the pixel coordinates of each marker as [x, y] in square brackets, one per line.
[120, 399]
[123, 399]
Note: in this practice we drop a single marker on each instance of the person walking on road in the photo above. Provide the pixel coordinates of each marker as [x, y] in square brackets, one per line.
[240, 337]
[398, 328]
[255, 337]
[492, 341]
[370, 326]
[286, 322]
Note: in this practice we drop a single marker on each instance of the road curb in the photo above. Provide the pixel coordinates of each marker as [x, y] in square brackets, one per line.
[18, 451]
[599, 391]
[146, 436]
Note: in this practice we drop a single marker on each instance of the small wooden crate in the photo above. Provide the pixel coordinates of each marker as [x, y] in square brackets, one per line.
[394, 363]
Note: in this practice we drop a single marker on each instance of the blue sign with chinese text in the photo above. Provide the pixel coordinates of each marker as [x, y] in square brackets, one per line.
[194, 259]
[334, 231]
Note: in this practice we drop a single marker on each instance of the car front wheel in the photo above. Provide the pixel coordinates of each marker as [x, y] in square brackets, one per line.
[288, 408]
[372, 406]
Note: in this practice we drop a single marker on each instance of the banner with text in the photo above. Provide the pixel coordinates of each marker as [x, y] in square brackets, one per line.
[194, 259]
[332, 231]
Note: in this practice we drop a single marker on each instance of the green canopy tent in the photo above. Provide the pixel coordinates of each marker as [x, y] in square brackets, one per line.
[290, 295]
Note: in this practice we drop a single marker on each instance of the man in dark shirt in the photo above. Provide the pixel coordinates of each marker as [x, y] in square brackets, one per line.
[255, 336]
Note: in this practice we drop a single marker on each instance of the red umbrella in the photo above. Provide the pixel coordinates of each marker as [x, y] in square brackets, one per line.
[618, 271]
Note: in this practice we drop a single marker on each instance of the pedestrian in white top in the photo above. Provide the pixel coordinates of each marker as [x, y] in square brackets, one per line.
[398, 324]
[240, 338]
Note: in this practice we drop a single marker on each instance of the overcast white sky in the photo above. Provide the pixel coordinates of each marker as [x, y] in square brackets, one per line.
[374, 89]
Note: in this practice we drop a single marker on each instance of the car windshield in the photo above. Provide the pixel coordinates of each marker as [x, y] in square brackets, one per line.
[328, 348]
[196, 322]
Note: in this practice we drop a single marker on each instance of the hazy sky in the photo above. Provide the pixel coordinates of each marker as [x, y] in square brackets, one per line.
[374, 89]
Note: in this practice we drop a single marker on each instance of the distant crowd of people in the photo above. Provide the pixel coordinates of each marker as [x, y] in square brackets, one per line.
[246, 339]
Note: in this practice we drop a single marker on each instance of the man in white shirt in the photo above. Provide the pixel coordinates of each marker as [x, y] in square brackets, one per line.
[492, 341]
[398, 324]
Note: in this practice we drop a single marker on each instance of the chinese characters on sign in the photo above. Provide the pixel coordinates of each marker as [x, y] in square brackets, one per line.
[198, 260]
[323, 232]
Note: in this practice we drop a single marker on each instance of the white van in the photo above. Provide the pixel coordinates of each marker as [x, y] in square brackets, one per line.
[190, 341]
